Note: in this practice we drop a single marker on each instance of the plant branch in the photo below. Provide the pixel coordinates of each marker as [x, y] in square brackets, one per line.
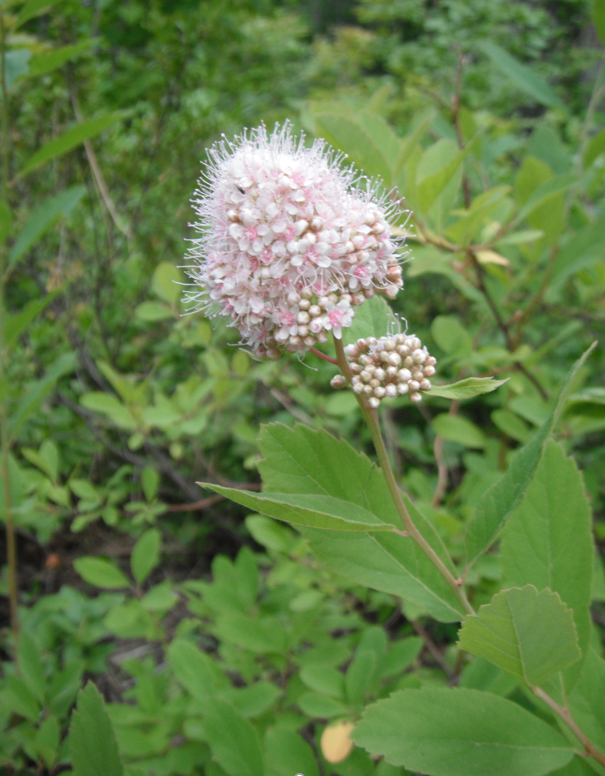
[502, 325]
[590, 749]
[371, 418]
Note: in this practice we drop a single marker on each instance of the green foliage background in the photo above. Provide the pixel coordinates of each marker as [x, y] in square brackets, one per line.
[117, 403]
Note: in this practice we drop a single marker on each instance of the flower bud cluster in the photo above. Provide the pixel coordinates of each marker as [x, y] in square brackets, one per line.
[290, 243]
[391, 366]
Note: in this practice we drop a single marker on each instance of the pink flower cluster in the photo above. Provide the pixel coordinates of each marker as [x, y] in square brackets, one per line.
[289, 245]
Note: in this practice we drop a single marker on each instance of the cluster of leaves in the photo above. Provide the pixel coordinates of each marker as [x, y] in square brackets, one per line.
[116, 403]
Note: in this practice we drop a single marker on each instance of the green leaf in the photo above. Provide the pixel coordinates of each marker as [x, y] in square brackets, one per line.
[523, 76]
[430, 187]
[598, 18]
[303, 461]
[460, 732]
[166, 282]
[587, 701]
[30, 665]
[270, 534]
[530, 635]
[16, 64]
[92, 741]
[324, 680]
[455, 428]
[233, 741]
[37, 391]
[543, 193]
[19, 699]
[153, 311]
[357, 142]
[145, 555]
[583, 250]
[596, 145]
[320, 706]
[500, 501]
[311, 511]
[42, 218]
[253, 700]
[150, 481]
[6, 220]
[101, 572]
[451, 336]
[193, 668]
[17, 323]
[548, 541]
[40, 64]
[287, 753]
[47, 739]
[468, 388]
[372, 319]
[359, 675]
[109, 405]
[70, 139]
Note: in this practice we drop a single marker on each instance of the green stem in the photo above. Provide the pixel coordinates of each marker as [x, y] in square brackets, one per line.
[589, 748]
[11, 544]
[371, 418]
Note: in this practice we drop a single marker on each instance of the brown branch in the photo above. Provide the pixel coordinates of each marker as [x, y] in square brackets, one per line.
[432, 648]
[97, 173]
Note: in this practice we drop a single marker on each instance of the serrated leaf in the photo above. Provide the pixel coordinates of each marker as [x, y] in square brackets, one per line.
[310, 511]
[547, 542]
[525, 78]
[145, 555]
[71, 138]
[460, 732]
[432, 186]
[466, 389]
[530, 635]
[301, 460]
[500, 501]
[42, 218]
[587, 700]
[92, 741]
[543, 193]
[101, 572]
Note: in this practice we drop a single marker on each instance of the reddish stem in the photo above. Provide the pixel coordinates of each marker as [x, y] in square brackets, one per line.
[319, 354]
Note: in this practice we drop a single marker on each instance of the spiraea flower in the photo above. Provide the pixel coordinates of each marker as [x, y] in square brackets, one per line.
[290, 242]
[391, 366]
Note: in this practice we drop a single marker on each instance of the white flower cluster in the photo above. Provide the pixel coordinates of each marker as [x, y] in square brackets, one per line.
[289, 245]
[388, 367]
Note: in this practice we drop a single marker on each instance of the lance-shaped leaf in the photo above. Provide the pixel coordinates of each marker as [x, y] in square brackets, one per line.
[530, 635]
[92, 740]
[467, 389]
[460, 732]
[42, 218]
[371, 320]
[301, 460]
[523, 76]
[500, 501]
[305, 510]
[547, 542]
[70, 139]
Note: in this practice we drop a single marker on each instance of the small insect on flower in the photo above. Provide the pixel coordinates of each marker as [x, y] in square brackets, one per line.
[290, 242]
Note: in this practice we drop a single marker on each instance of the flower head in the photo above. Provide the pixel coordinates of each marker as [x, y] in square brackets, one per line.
[394, 365]
[290, 243]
